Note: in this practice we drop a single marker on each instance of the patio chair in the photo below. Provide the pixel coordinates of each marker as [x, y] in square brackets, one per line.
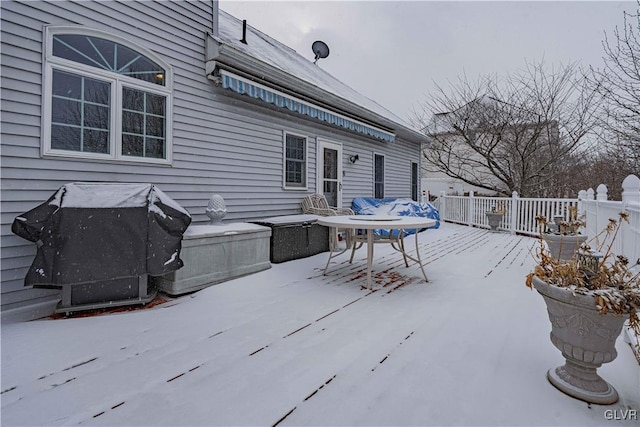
[316, 204]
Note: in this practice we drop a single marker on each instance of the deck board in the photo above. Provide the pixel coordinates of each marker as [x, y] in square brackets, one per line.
[291, 346]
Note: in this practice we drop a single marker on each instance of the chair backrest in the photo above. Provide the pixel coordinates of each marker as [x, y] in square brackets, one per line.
[319, 201]
[314, 201]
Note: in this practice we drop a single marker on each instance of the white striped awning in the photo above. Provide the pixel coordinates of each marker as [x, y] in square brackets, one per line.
[271, 96]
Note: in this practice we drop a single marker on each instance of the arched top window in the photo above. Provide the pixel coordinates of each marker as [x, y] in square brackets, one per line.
[105, 98]
[107, 55]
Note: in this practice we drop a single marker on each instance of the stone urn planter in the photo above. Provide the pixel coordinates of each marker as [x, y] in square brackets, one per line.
[494, 218]
[589, 297]
[586, 339]
[563, 246]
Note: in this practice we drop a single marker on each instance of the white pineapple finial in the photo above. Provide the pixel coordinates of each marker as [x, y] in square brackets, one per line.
[216, 209]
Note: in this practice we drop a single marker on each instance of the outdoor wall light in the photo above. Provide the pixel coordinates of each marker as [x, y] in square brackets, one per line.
[354, 159]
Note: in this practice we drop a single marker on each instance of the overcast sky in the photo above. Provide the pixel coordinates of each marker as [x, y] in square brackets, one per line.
[394, 52]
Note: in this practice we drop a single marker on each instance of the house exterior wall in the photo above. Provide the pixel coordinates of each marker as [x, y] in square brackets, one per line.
[434, 181]
[222, 142]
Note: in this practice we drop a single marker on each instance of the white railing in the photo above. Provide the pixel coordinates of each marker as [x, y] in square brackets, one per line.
[598, 210]
[520, 213]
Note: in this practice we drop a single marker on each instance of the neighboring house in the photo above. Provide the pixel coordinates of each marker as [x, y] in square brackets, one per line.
[433, 180]
[168, 93]
[465, 135]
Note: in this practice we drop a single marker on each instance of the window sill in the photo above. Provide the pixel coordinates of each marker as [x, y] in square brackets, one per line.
[108, 159]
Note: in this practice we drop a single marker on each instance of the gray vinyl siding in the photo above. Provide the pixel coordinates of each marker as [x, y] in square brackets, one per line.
[222, 143]
[358, 179]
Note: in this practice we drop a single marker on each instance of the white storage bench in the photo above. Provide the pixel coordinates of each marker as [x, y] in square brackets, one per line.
[217, 253]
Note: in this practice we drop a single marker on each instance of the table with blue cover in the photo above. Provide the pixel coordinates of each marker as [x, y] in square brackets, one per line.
[393, 206]
[396, 225]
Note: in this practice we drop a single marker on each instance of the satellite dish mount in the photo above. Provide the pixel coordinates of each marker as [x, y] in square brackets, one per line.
[320, 49]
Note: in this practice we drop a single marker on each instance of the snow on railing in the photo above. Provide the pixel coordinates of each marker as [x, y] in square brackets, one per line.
[520, 213]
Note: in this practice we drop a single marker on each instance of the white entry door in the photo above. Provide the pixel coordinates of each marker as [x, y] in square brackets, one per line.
[330, 172]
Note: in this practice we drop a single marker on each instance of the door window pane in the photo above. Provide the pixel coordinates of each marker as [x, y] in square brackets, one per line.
[331, 192]
[330, 164]
[330, 176]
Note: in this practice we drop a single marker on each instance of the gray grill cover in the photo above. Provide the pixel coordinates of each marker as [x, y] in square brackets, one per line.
[99, 231]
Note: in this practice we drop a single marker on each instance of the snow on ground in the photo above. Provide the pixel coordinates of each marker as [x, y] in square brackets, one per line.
[291, 346]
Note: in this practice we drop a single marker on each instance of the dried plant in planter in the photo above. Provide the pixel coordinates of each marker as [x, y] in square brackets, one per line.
[587, 297]
[560, 226]
[562, 237]
[494, 216]
[615, 285]
[499, 208]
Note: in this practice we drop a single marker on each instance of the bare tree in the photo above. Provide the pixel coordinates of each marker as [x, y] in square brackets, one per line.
[512, 133]
[619, 82]
[600, 166]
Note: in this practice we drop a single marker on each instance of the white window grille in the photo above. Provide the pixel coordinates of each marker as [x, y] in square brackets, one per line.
[105, 98]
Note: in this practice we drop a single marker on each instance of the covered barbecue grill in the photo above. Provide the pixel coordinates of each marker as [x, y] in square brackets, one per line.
[99, 241]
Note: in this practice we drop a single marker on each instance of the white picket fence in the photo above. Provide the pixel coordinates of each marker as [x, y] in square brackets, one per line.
[519, 217]
[520, 213]
[598, 210]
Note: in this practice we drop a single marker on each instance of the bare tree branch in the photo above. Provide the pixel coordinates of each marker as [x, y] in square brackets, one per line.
[510, 133]
[619, 83]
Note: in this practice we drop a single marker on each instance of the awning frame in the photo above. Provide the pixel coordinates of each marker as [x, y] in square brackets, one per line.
[244, 86]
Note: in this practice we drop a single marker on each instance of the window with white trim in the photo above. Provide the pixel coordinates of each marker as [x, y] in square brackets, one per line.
[378, 176]
[295, 161]
[105, 99]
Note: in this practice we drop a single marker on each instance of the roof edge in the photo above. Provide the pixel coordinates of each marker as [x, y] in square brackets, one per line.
[222, 53]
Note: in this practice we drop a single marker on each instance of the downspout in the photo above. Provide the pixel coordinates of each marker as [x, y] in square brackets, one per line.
[215, 20]
[209, 43]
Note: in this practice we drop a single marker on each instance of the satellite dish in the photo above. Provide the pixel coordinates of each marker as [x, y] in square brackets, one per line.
[320, 49]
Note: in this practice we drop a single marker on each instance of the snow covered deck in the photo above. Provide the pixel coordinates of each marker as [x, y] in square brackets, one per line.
[290, 346]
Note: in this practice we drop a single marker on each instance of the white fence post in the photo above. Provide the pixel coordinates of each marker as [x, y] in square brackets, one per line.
[513, 214]
[591, 194]
[442, 205]
[631, 204]
[471, 209]
[602, 192]
[582, 195]
[602, 211]
[591, 213]
[631, 190]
